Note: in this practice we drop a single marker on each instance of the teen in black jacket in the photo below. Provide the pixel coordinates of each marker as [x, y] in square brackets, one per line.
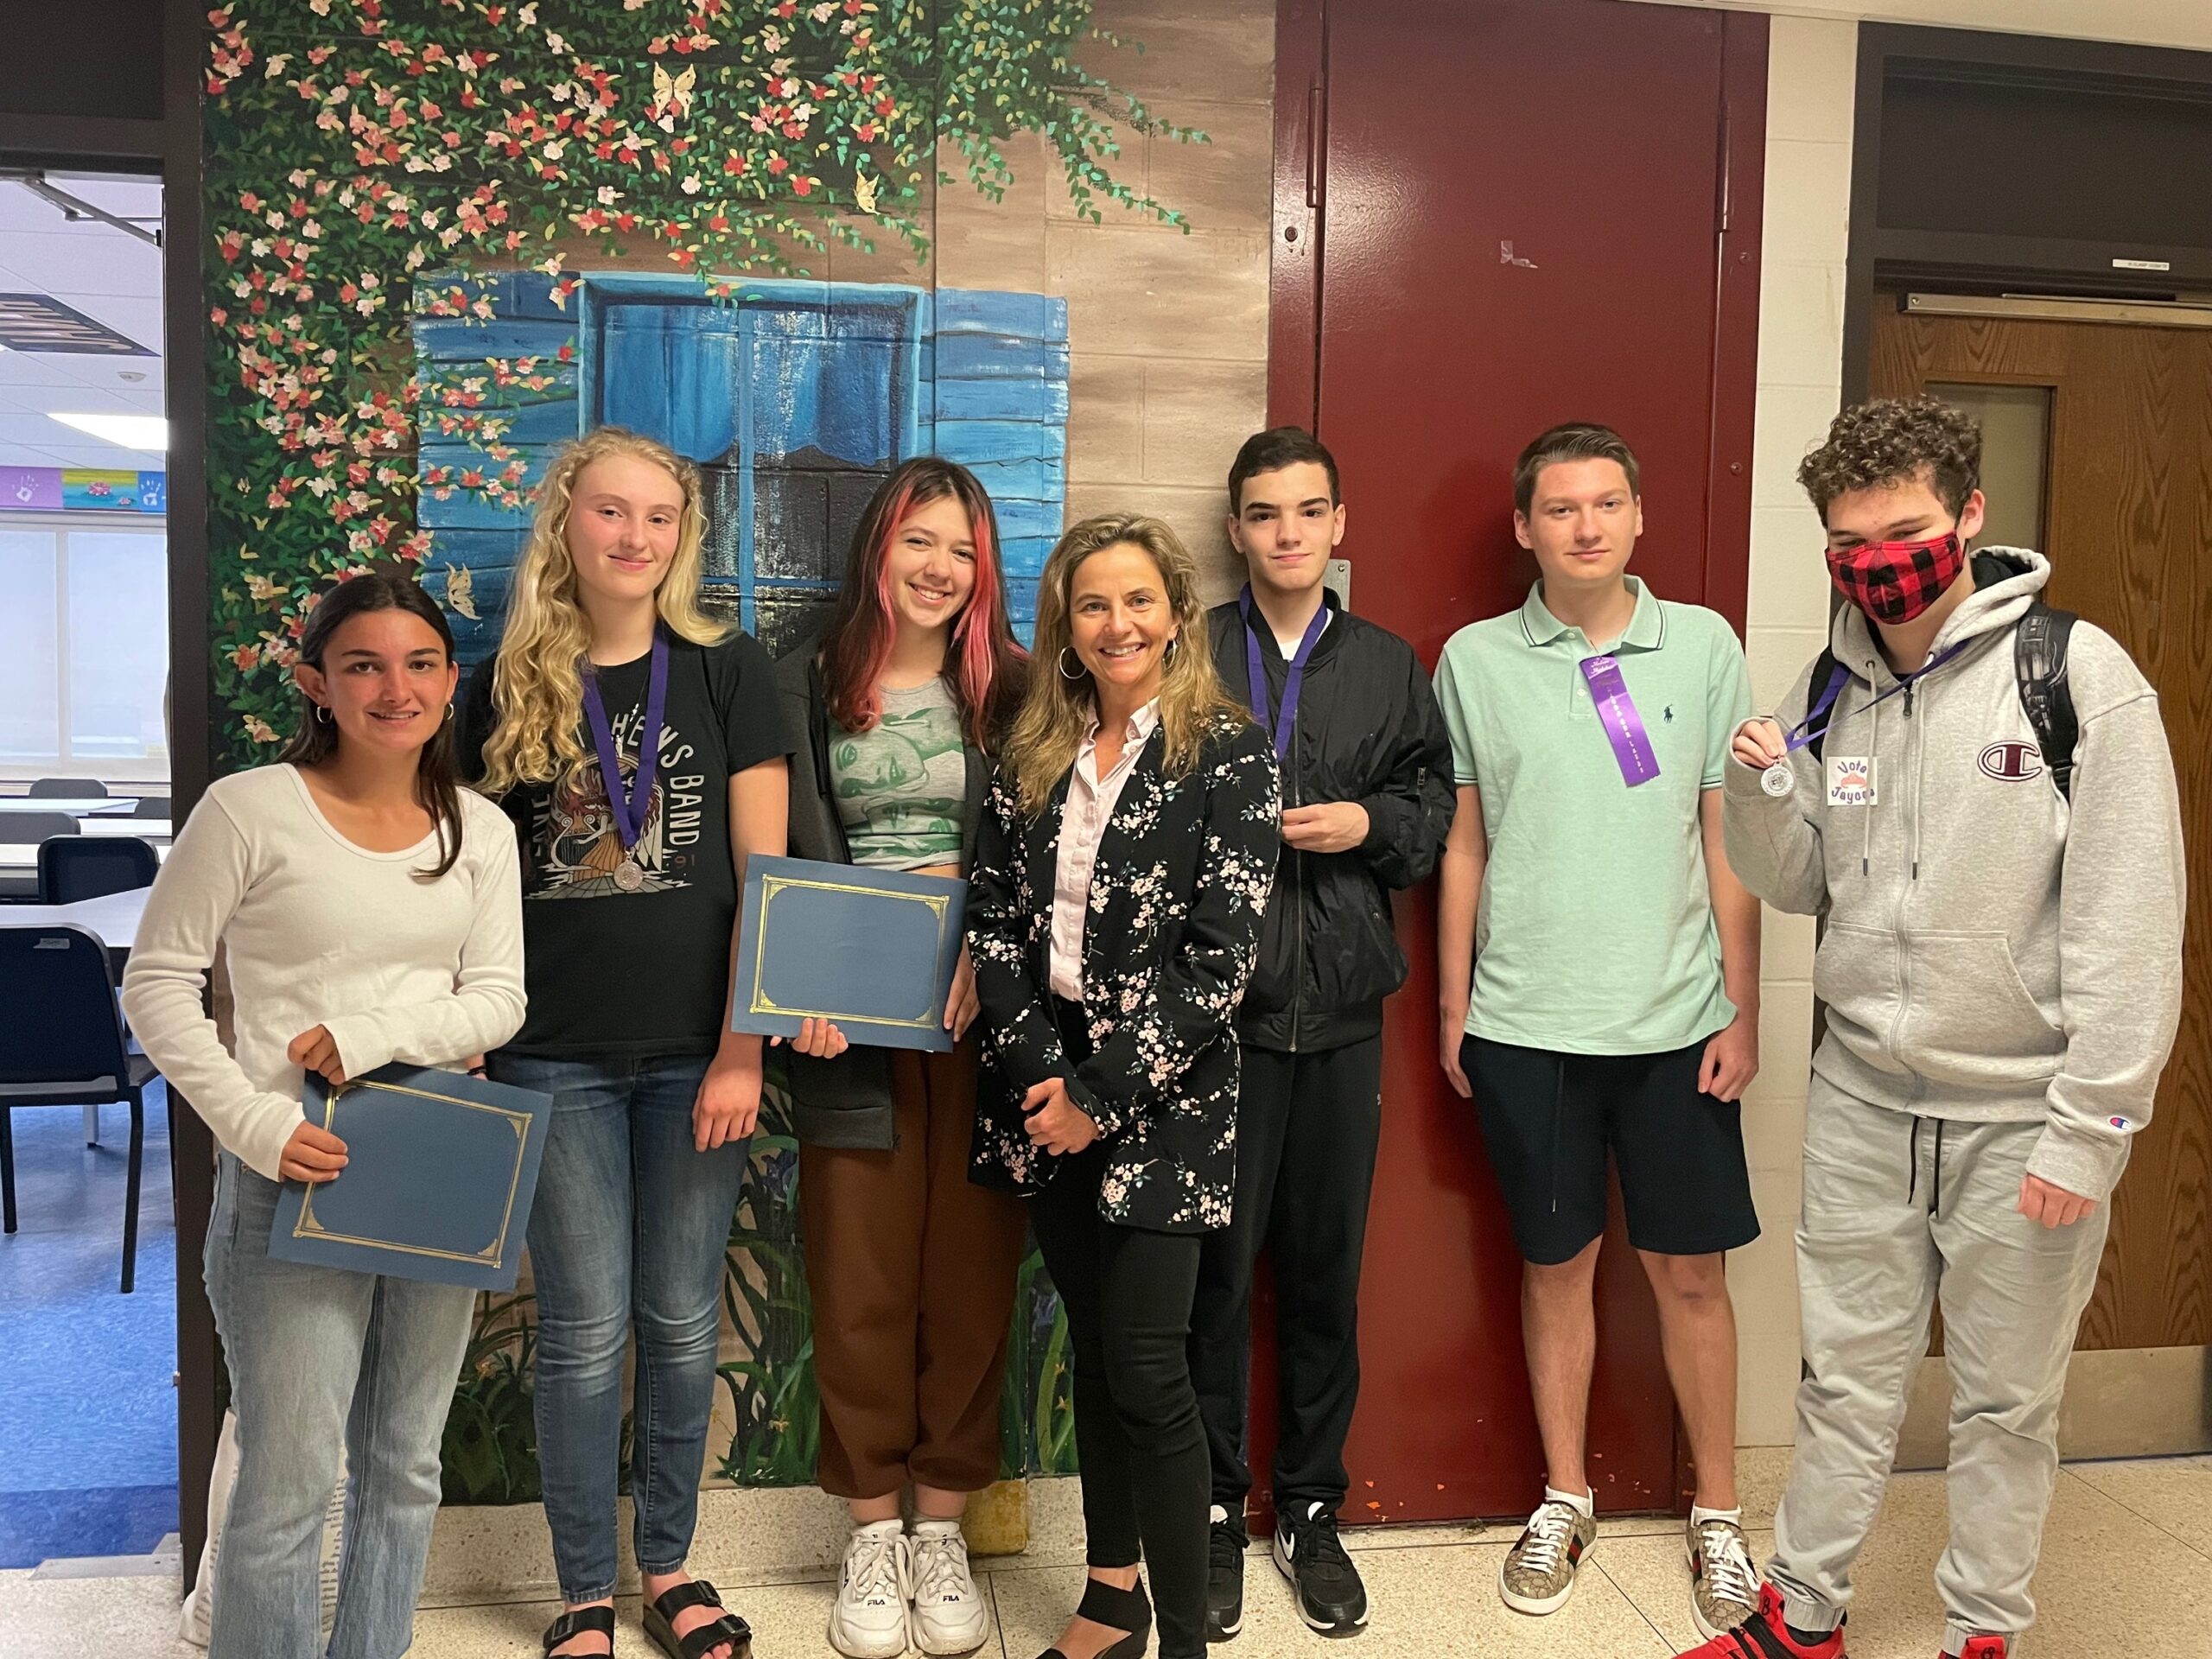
[1367, 800]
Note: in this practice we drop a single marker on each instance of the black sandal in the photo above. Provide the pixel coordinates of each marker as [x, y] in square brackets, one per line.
[1117, 1609]
[729, 1629]
[581, 1621]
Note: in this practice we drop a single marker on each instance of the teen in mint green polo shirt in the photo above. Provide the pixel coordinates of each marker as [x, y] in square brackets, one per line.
[1598, 969]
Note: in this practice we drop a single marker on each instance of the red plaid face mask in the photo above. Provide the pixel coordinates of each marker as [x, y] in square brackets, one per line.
[1895, 581]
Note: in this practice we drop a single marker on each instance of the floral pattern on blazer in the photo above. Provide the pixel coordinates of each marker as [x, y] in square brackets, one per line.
[1181, 882]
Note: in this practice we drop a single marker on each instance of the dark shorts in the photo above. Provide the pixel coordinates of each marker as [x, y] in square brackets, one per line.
[1549, 1120]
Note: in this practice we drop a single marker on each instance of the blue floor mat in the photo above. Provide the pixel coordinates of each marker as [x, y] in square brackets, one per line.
[88, 1397]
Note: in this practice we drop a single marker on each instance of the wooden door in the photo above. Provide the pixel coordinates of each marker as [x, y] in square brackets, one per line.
[2128, 513]
[1521, 216]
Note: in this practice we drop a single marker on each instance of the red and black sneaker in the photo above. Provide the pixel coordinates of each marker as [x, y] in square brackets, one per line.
[1764, 1636]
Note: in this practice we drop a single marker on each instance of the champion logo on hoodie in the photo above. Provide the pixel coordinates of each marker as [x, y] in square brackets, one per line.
[2012, 762]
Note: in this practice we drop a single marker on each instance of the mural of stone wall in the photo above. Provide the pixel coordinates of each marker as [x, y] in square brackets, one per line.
[797, 240]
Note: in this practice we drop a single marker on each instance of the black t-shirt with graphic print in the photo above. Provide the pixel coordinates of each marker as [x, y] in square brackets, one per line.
[610, 971]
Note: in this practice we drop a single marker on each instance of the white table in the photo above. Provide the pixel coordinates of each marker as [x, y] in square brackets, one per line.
[77, 806]
[113, 916]
[154, 830]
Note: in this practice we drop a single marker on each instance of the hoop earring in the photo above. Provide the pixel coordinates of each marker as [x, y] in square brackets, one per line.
[1079, 669]
[448, 715]
[323, 713]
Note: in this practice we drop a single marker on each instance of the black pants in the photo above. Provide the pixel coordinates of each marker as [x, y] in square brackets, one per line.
[1138, 1433]
[1306, 1128]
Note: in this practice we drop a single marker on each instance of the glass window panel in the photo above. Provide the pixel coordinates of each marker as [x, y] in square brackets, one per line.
[2015, 442]
[118, 645]
[29, 685]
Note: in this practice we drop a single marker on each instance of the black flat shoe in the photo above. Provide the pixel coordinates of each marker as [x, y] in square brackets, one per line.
[583, 1621]
[729, 1629]
[1117, 1609]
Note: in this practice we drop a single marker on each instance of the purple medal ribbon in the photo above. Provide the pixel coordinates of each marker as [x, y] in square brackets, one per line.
[1802, 733]
[1256, 669]
[630, 813]
[1623, 726]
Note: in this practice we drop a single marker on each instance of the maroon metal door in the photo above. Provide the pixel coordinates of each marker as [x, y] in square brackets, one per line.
[1514, 215]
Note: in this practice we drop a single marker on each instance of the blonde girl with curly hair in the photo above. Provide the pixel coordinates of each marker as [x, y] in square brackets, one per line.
[636, 744]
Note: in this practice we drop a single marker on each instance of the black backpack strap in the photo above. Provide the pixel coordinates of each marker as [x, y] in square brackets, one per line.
[1816, 728]
[2046, 691]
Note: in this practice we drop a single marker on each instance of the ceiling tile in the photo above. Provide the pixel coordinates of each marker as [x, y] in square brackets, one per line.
[66, 265]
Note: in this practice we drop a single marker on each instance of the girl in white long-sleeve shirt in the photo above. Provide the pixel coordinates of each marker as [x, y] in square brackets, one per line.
[368, 911]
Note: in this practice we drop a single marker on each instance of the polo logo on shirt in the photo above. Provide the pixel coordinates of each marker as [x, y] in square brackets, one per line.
[2012, 762]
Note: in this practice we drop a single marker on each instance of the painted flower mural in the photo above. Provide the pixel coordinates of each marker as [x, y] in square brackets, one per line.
[352, 143]
[372, 165]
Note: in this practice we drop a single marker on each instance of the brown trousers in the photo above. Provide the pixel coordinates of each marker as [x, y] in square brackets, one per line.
[912, 1270]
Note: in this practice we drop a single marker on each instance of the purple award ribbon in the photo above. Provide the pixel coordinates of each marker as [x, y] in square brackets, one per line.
[1802, 733]
[630, 814]
[1256, 670]
[1623, 726]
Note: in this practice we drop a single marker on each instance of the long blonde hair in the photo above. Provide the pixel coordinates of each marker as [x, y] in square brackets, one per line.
[1048, 733]
[537, 689]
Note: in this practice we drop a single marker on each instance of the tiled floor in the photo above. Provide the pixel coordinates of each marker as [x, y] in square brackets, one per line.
[2127, 1568]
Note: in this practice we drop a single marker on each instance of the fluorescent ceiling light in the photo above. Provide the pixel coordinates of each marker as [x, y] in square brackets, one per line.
[148, 432]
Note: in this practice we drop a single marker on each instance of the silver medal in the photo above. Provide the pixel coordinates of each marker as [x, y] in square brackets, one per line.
[628, 876]
[1778, 779]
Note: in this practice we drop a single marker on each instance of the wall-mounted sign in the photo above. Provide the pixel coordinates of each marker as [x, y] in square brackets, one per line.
[75, 489]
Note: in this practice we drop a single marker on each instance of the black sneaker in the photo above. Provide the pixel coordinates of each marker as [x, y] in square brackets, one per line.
[1224, 1577]
[1330, 1598]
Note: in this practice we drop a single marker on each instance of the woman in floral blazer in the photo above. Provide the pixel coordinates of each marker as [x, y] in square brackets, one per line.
[1114, 913]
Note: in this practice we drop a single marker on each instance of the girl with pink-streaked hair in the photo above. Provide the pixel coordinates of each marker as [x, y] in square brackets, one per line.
[896, 706]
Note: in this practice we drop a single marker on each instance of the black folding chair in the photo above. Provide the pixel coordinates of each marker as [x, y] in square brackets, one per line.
[69, 788]
[62, 1045]
[74, 867]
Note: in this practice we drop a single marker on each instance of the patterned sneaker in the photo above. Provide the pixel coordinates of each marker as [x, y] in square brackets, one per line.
[868, 1619]
[1982, 1647]
[1537, 1574]
[950, 1615]
[1764, 1636]
[1724, 1585]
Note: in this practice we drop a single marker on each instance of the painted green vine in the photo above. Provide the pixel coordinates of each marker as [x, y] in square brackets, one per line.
[352, 143]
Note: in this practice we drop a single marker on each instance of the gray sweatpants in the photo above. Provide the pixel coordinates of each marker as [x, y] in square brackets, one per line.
[1899, 1212]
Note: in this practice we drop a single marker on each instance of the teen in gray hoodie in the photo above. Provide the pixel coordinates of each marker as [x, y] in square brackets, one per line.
[2002, 972]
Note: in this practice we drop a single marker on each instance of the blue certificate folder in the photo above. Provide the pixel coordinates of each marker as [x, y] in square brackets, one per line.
[440, 1171]
[872, 949]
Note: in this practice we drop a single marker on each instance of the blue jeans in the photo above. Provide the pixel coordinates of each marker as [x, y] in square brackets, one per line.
[321, 1356]
[630, 1225]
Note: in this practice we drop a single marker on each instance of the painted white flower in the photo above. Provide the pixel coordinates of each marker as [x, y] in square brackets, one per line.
[690, 184]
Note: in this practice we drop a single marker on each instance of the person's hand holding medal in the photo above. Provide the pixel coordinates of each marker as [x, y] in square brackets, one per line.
[1760, 744]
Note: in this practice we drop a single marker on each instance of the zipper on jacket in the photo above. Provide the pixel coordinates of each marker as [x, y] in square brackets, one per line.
[1298, 901]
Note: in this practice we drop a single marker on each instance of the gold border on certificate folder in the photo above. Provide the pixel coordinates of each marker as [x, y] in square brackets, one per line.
[771, 885]
[495, 1254]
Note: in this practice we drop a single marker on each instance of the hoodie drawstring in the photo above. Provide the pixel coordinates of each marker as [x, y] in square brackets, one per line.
[1912, 1165]
[1873, 749]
